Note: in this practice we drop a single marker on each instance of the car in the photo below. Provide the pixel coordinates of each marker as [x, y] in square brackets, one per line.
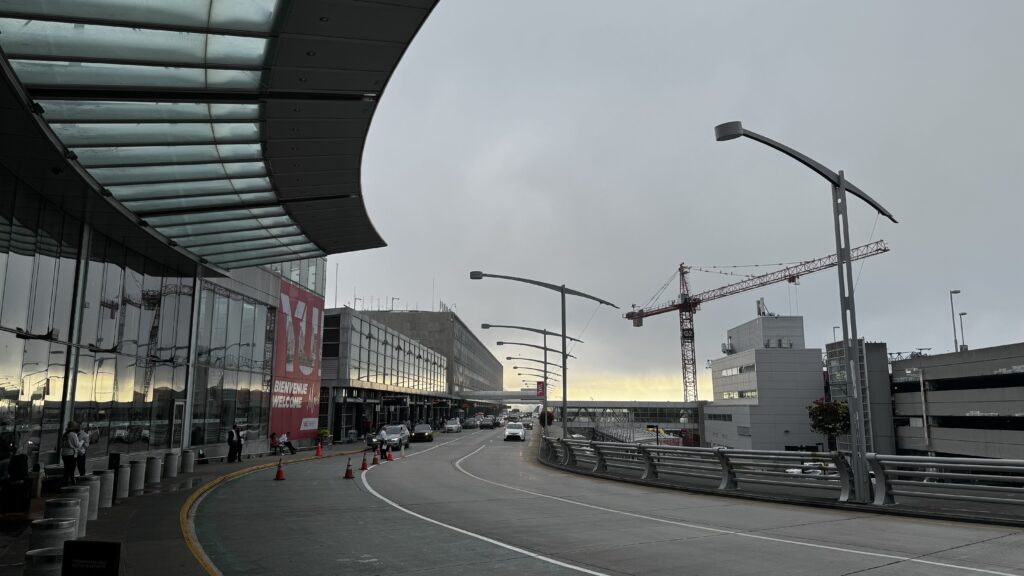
[397, 436]
[470, 423]
[453, 425]
[528, 424]
[422, 433]
[487, 422]
[515, 431]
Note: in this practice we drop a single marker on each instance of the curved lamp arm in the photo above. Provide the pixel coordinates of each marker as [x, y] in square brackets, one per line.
[537, 330]
[478, 275]
[731, 130]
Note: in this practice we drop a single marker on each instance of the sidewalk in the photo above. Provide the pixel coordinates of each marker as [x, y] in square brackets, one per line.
[147, 526]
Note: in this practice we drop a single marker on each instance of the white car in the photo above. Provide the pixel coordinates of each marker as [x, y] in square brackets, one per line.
[453, 425]
[515, 431]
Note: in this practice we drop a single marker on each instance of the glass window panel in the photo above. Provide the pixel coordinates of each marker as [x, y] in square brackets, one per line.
[254, 15]
[227, 111]
[128, 340]
[214, 398]
[65, 278]
[177, 13]
[113, 176]
[205, 326]
[227, 405]
[59, 73]
[246, 340]
[226, 226]
[127, 155]
[249, 245]
[240, 236]
[266, 252]
[113, 134]
[219, 336]
[111, 110]
[44, 278]
[32, 38]
[238, 214]
[168, 328]
[188, 189]
[199, 381]
[111, 303]
[235, 131]
[184, 324]
[18, 281]
[218, 201]
[234, 330]
[149, 323]
[233, 79]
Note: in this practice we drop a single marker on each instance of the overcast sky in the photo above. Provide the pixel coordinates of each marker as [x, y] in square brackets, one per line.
[573, 142]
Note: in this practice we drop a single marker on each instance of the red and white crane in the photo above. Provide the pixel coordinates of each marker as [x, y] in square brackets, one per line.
[688, 303]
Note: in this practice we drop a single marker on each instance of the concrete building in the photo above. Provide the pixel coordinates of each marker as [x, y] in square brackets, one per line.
[374, 375]
[971, 404]
[876, 398]
[762, 387]
[471, 366]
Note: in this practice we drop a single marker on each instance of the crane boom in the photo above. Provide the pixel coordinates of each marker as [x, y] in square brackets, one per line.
[686, 304]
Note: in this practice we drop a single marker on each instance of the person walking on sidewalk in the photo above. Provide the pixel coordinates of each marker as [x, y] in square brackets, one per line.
[283, 441]
[235, 444]
[83, 441]
[69, 447]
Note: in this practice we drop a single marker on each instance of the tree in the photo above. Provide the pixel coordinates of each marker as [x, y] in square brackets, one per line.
[829, 417]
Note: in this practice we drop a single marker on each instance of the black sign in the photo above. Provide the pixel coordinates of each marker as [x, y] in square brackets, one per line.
[91, 558]
[395, 401]
[688, 333]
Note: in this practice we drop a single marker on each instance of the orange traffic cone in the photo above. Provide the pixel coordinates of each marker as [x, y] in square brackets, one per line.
[319, 450]
[376, 456]
[280, 471]
[390, 458]
[364, 466]
[348, 471]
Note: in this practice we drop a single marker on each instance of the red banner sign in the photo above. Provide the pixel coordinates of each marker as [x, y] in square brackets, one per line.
[295, 396]
[540, 389]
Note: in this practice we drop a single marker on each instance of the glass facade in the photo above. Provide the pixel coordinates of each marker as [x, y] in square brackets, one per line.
[380, 356]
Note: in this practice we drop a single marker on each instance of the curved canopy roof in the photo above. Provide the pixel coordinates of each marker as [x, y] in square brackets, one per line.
[232, 130]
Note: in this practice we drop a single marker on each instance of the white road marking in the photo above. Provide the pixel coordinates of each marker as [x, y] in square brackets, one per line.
[458, 464]
[475, 535]
[439, 445]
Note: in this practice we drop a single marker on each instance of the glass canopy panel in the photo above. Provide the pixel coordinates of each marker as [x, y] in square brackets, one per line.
[112, 111]
[188, 189]
[47, 39]
[244, 263]
[233, 79]
[220, 216]
[139, 175]
[240, 236]
[194, 202]
[242, 15]
[236, 247]
[278, 251]
[100, 134]
[129, 155]
[64, 74]
[177, 231]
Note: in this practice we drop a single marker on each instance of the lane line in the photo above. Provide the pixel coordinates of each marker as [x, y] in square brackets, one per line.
[439, 445]
[473, 534]
[458, 465]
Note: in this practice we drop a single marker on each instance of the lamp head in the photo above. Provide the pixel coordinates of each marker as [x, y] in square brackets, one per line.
[476, 275]
[963, 313]
[501, 343]
[485, 326]
[728, 131]
[954, 291]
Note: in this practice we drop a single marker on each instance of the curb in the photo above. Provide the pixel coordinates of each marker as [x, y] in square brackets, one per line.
[187, 511]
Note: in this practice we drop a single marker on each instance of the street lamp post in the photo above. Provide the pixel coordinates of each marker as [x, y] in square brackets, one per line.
[732, 130]
[963, 337]
[952, 315]
[478, 275]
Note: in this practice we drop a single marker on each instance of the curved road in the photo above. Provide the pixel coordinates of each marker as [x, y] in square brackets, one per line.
[472, 502]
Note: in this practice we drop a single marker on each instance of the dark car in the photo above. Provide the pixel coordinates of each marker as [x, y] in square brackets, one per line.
[470, 423]
[423, 433]
[528, 424]
[487, 422]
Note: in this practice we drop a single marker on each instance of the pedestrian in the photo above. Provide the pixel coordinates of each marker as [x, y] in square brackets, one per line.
[383, 437]
[234, 444]
[275, 444]
[283, 441]
[69, 446]
[83, 440]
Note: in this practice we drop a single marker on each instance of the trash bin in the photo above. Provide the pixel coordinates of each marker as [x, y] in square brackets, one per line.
[52, 532]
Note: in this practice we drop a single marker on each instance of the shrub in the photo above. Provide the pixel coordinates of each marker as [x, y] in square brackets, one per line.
[829, 417]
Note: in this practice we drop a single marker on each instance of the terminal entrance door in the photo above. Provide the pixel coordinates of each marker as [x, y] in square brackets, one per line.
[177, 424]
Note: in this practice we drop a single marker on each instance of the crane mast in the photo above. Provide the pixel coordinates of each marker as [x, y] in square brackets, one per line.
[687, 304]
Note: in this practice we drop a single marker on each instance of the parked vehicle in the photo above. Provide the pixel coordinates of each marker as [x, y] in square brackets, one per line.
[528, 424]
[515, 431]
[487, 422]
[453, 425]
[471, 423]
[423, 433]
[397, 436]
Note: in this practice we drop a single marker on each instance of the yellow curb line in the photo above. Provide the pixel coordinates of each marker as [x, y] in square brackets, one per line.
[186, 509]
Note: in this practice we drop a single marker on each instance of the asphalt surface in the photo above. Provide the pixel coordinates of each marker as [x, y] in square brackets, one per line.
[469, 502]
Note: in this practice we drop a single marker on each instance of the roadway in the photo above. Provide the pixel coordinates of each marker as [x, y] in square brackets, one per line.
[470, 501]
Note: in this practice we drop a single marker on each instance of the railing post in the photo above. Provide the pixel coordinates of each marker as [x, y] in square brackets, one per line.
[728, 476]
[845, 475]
[600, 465]
[570, 456]
[883, 491]
[650, 468]
[547, 449]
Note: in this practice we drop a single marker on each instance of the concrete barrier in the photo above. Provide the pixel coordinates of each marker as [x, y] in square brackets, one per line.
[93, 484]
[170, 465]
[188, 461]
[153, 470]
[63, 509]
[106, 488]
[138, 476]
[52, 532]
[44, 562]
[124, 478]
[82, 493]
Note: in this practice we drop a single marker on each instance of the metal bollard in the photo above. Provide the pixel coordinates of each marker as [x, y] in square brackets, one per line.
[106, 488]
[138, 476]
[93, 483]
[124, 478]
[44, 562]
[170, 465]
[52, 532]
[82, 494]
[153, 466]
[64, 509]
[188, 461]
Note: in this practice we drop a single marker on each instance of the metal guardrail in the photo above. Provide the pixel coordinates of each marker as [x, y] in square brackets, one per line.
[977, 486]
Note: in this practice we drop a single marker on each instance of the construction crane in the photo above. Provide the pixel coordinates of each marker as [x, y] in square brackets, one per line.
[688, 303]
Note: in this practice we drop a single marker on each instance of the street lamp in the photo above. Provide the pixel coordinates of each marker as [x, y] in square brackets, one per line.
[532, 360]
[478, 275]
[733, 130]
[963, 337]
[952, 315]
[545, 334]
